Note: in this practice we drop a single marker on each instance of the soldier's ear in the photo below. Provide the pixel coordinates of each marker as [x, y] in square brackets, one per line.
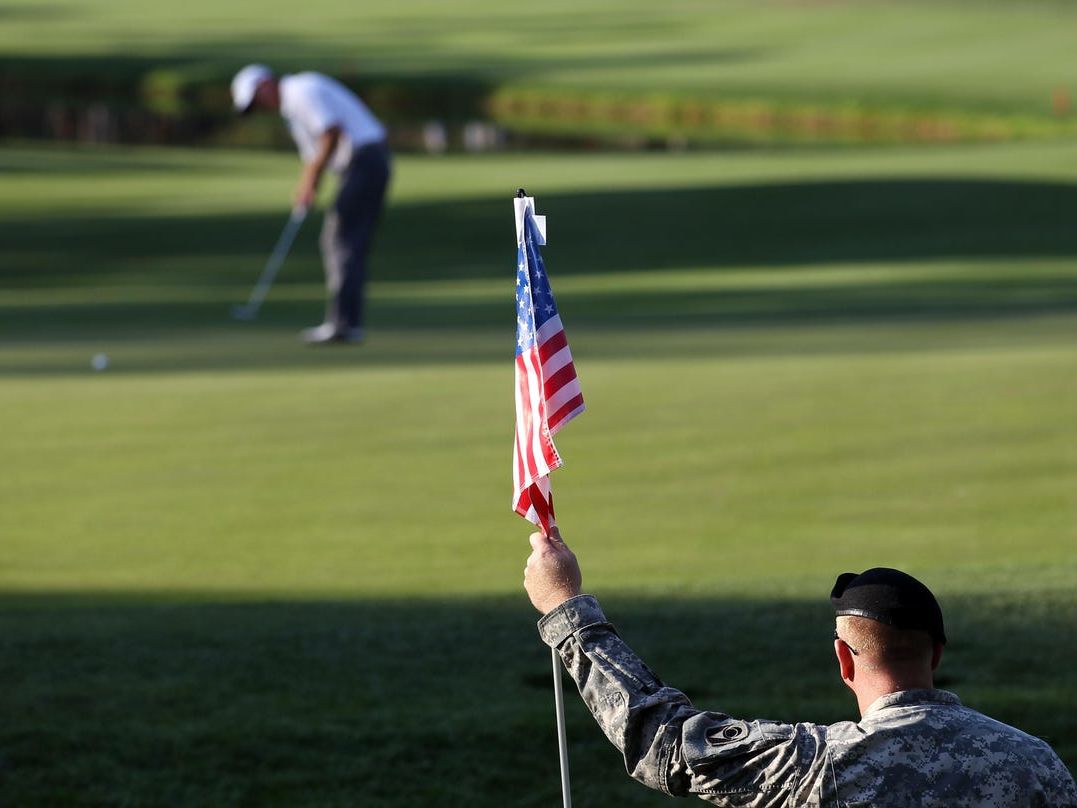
[846, 662]
[936, 656]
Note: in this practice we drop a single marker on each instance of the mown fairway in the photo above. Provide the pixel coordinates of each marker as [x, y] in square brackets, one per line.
[1008, 56]
[235, 570]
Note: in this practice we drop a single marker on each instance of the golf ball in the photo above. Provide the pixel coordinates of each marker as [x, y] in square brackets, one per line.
[99, 361]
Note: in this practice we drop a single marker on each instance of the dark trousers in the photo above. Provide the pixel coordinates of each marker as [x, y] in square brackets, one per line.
[348, 231]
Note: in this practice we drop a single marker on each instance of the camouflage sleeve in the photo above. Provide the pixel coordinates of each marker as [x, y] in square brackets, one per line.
[667, 744]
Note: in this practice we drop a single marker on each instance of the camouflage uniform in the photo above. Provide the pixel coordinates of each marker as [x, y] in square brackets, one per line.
[917, 748]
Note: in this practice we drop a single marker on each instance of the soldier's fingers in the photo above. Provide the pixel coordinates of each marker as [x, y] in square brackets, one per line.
[539, 542]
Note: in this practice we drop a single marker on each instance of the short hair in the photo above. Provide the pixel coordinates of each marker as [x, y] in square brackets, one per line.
[885, 646]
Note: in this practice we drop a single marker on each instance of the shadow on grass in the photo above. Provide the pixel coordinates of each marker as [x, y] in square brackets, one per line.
[810, 223]
[187, 271]
[373, 50]
[807, 223]
[137, 699]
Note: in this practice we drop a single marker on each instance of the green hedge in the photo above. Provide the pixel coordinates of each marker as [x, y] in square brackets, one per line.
[189, 102]
[708, 119]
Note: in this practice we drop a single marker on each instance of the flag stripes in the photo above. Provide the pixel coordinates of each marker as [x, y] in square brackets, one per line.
[548, 391]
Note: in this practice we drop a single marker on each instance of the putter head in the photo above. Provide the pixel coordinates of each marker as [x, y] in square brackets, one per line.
[243, 312]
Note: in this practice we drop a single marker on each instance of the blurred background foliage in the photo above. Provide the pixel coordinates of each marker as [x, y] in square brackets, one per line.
[590, 73]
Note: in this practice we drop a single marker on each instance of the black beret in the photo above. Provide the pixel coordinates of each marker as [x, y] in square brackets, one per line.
[889, 596]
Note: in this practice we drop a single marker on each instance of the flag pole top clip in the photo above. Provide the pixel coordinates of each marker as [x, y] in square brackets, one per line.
[523, 203]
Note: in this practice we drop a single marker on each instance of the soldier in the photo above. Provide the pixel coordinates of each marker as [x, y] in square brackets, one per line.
[914, 745]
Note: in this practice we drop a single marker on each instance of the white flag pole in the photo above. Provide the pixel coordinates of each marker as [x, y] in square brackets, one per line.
[562, 739]
[522, 203]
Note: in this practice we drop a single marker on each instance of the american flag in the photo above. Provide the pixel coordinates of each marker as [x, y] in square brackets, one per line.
[547, 390]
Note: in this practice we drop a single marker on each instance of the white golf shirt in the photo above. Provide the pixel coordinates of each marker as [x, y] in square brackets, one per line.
[311, 103]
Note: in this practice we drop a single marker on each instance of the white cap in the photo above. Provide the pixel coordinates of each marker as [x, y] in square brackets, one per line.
[246, 83]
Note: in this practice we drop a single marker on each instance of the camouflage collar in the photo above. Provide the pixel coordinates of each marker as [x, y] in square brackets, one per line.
[908, 698]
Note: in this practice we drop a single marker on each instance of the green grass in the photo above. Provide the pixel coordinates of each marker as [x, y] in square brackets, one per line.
[235, 570]
[993, 55]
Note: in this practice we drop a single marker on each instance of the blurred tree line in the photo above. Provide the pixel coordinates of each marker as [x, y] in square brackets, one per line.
[132, 101]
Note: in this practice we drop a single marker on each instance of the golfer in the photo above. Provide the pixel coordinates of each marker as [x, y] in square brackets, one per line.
[334, 130]
[913, 746]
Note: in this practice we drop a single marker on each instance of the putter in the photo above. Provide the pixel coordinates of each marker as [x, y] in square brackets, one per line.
[249, 310]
